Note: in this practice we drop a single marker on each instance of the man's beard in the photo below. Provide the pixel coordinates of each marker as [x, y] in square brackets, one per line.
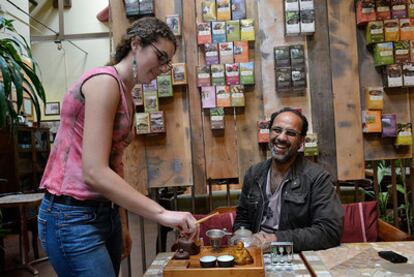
[290, 152]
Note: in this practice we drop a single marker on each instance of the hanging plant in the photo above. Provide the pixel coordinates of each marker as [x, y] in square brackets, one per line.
[18, 75]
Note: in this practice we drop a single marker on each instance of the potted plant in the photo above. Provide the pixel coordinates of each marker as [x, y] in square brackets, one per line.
[18, 75]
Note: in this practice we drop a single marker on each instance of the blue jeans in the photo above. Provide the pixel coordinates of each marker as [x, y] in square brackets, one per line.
[81, 241]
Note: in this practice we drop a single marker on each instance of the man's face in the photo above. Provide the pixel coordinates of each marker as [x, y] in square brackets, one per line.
[285, 138]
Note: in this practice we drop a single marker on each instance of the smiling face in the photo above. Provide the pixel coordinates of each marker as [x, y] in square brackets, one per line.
[285, 138]
[153, 59]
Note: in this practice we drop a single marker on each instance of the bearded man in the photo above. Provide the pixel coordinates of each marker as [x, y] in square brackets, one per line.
[288, 198]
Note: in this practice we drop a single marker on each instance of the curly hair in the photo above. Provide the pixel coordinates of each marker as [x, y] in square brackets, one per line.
[305, 123]
[148, 30]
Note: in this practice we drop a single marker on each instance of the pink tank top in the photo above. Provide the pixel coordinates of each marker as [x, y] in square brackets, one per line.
[63, 173]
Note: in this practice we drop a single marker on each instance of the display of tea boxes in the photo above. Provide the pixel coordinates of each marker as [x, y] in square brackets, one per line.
[203, 33]
[393, 75]
[374, 32]
[138, 95]
[374, 98]
[174, 22]
[406, 29]
[238, 9]
[297, 54]
[401, 52]
[157, 124]
[247, 73]
[247, 31]
[292, 25]
[371, 121]
[226, 52]
[365, 11]
[404, 135]
[399, 10]
[232, 74]
[223, 97]
[383, 10]
[281, 56]
[237, 96]
[217, 75]
[208, 97]
[283, 78]
[211, 52]
[233, 30]
[383, 53]
[218, 31]
[241, 51]
[263, 131]
[164, 84]
[307, 21]
[151, 101]
[217, 118]
[150, 87]
[203, 76]
[389, 125]
[142, 123]
[223, 9]
[208, 10]
[408, 74]
[298, 77]
[391, 30]
[311, 145]
[306, 5]
[131, 8]
[146, 7]
[179, 74]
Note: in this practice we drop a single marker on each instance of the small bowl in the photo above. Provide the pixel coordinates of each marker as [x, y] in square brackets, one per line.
[225, 261]
[208, 261]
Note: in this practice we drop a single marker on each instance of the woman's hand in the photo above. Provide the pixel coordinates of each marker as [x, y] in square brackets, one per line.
[183, 221]
[126, 243]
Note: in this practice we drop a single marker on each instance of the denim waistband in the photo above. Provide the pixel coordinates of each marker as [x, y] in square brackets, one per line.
[69, 200]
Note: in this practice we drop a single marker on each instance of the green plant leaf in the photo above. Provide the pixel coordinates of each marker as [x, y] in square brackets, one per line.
[3, 106]
[4, 67]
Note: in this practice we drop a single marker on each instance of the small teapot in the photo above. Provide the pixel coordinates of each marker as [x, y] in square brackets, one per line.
[242, 234]
[190, 246]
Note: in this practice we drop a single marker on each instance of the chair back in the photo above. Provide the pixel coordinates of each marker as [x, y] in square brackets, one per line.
[360, 222]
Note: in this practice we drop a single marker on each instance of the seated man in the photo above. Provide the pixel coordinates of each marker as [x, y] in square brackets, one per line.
[289, 198]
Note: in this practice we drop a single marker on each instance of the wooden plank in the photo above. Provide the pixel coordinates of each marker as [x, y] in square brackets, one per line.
[345, 84]
[196, 128]
[321, 89]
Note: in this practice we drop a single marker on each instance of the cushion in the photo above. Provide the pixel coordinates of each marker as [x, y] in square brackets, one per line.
[220, 221]
[360, 222]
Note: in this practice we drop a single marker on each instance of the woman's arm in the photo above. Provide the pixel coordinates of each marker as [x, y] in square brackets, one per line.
[102, 97]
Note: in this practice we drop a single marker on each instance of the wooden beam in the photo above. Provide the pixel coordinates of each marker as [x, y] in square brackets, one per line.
[61, 21]
[71, 36]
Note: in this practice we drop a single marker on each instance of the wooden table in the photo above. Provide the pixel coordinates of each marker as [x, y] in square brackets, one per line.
[22, 201]
[360, 259]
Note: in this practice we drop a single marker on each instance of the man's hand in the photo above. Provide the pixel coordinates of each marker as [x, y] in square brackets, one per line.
[263, 240]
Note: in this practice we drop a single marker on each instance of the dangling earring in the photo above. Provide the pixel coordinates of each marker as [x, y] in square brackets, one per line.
[134, 70]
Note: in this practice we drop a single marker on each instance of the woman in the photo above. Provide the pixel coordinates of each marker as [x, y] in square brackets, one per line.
[79, 222]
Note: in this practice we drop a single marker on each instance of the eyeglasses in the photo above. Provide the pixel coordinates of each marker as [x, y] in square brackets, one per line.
[162, 57]
[289, 132]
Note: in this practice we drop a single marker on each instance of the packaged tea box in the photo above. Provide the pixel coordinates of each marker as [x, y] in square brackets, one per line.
[238, 9]
[298, 77]
[412, 50]
[157, 122]
[365, 11]
[203, 33]
[374, 98]
[232, 74]
[131, 8]
[391, 30]
[404, 134]
[263, 131]
[151, 101]
[208, 97]
[217, 118]
[237, 96]
[164, 84]
[283, 78]
[174, 22]
[374, 32]
[389, 125]
[394, 75]
[399, 11]
[223, 97]
[292, 25]
[241, 51]
[306, 5]
[208, 10]
[218, 31]
[371, 121]
[408, 74]
[410, 7]
[151, 86]
[203, 76]
[247, 73]
[226, 52]
[281, 56]
[217, 75]
[406, 29]
[211, 53]
[233, 30]
[142, 123]
[402, 52]
[146, 7]
[247, 31]
[307, 21]
[138, 95]
[297, 54]
[383, 9]
[383, 53]
[223, 9]
[179, 74]
[291, 5]
[311, 145]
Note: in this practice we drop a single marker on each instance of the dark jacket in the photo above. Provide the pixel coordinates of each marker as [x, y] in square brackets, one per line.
[311, 214]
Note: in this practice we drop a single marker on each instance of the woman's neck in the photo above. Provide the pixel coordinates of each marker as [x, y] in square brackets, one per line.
[124, 69]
